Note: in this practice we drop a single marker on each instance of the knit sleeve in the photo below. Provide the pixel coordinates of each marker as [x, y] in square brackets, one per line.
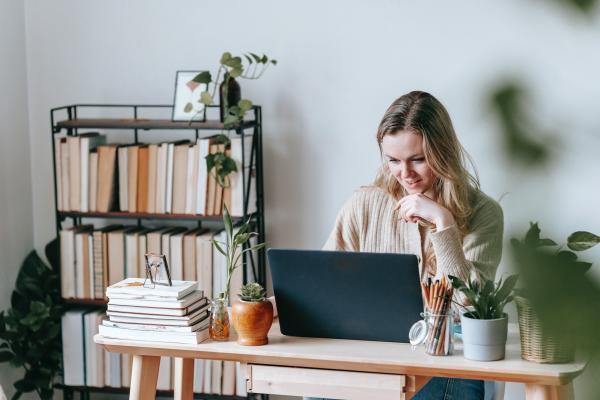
[479, 253]
[344, 236]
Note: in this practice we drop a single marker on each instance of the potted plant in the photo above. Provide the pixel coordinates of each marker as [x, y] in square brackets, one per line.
[233, 249]
[252, 315]
[536, 258]
[484, 323]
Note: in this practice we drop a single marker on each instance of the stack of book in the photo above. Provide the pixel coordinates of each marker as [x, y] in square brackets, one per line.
[175, 314]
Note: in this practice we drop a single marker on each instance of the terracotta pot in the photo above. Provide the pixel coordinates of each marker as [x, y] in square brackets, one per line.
[252, 321]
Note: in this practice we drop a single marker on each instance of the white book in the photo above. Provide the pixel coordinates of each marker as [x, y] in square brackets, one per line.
[94, 359]
[228, 379]
[198, 375]
[151, 336]
[67, 263]
[207, 381]
[135, 286]
[237, 183]
[171, 320]
[131, 254]
[142, 249]
[106, 367]
[203, 151]
[161, 302]
[157, 310]
[115, 370]
[89, 141]
[217, 376]
[176, 255]
[65, 175]
[72, 344]
[126, 364]
[93, 187]
[122, 155]
[191, 180]
[203, 324]
[204, 261]
[90, 264]
[219, 266]
[79, 266]
[240, 381]
[161, 178]
[58, 167]
[169, 183]
[164, 374]
[74, 172]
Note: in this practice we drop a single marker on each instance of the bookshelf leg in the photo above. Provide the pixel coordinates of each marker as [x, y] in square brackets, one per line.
[144, 375]
[184, 378]
[544, 392]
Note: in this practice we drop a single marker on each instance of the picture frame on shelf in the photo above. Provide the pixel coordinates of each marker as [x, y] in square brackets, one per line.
[186, 98]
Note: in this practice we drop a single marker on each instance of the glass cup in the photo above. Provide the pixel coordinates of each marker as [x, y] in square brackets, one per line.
[219, 325]
[435, 332]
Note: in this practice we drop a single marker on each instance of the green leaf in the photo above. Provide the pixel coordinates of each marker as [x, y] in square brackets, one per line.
[203, 77]
[225, 57]
[6, 356]
[188, 107]
[264, 59]
[546, 242]
[532, 237]
[24, 385]
[274, 62]
[255, 56]
[227, 221]
[235, 72]
[580, 240]
[206, 98]
[245, 105]
[566, 256]
[506, 289]
[219, 248]
[248, 58]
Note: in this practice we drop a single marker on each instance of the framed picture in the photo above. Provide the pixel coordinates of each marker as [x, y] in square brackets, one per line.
[186, 102]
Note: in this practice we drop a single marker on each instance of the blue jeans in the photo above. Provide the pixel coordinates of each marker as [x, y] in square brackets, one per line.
[446, 389]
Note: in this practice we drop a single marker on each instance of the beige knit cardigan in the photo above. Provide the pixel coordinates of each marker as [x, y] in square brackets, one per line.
[368, 223]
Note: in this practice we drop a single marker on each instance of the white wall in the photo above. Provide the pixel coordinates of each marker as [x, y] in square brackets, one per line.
[341, 64]
[16, 223]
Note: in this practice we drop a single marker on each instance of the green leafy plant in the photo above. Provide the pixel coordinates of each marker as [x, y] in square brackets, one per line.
[487, 299]
[30, 329]
[233, 248]
[253, 292]
[230, 67]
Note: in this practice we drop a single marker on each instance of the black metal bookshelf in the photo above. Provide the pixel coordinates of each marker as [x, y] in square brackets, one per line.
[135, 120]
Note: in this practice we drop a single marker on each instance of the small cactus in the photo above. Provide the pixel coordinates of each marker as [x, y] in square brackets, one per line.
[253, 292]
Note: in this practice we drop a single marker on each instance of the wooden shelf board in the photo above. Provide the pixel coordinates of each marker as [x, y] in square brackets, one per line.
[128, 123]
[85, 302]
[119, 214]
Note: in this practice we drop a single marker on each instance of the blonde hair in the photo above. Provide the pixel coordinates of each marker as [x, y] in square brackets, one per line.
[422, 114]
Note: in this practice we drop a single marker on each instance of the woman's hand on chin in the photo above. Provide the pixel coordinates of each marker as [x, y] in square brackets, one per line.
[415, 207]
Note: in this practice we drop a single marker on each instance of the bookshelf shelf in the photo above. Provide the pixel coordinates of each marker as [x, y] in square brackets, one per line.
[119, 214]
[141, 123]
[127, 121]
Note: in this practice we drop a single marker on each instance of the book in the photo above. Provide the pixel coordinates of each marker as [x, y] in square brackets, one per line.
[142, 179]
[58, 169]
[217, 376]
[227, 189]
[211, 185]
[100, 261]
[83, 268]
[65, 176]
[152, 177]
[240, 381]
[122, 157]
[132, 262]
[72, 345]
[93, 184]
[145, 310]
[150, 336]
[132, 177]
[201, 195]
[176, 253]
[88, 142]
[74, 172]
[236, 180]
[106, 178]
[202, 324]
[157, 301]
[191, 180]
[134, 286]
[172, 320]
[228, 380]
[116, 254]
[180, 172]
[218, 205]
[168, 192]
[164, 374]
[198, 375]
[161, 178]
[94, 359]
[189, 253]
[204, 261]
[68, 266]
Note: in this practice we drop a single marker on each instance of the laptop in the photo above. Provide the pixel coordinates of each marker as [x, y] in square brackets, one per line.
[346, 295]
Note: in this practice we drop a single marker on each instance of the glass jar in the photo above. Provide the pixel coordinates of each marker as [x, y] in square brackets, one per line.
[435, 332]
[219, 325]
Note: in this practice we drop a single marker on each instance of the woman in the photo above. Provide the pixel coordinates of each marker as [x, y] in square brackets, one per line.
[425, 202]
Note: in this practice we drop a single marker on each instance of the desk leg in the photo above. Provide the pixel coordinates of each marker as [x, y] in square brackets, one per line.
[184, 378]
[144, 374]
[545, 392]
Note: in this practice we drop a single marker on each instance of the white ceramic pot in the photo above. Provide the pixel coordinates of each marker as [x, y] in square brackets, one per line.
[484, 339]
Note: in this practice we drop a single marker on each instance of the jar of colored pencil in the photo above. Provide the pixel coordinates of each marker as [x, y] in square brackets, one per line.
[438, 341]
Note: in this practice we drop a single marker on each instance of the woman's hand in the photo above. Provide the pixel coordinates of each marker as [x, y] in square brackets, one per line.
[415, 207]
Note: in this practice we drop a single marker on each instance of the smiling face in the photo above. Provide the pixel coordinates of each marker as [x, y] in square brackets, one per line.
[403, 153]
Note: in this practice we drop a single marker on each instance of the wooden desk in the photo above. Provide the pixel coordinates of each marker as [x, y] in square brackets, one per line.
[339, 368]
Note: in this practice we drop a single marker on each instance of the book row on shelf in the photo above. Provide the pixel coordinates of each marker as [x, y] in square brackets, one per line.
[158, 178]
[94, 258]
[87, 364]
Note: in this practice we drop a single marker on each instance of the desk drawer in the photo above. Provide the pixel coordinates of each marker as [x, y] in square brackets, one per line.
[324, 383]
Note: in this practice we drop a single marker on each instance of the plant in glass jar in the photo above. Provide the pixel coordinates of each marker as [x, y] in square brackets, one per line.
[234, 248]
